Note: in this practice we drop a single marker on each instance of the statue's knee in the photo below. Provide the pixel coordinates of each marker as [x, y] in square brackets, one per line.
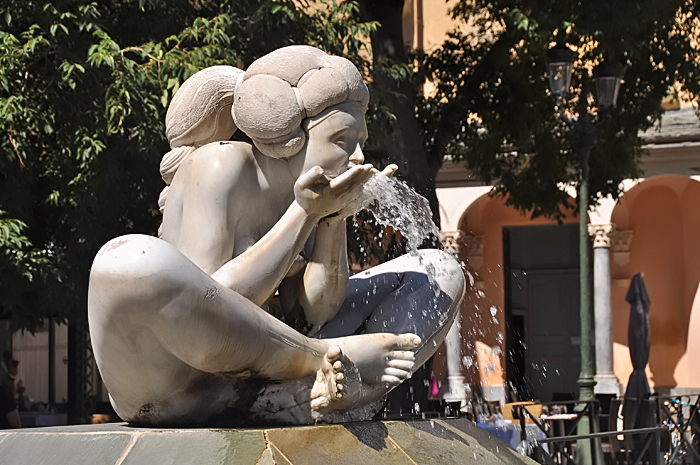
[129, 257]
[131, 272]
[448, 272]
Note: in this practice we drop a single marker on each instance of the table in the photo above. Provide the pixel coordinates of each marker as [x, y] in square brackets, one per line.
[510, 432]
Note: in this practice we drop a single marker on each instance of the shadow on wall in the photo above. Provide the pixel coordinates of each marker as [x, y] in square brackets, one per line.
[663, 215]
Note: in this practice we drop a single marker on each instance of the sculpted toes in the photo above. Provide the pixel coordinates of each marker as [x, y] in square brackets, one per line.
[409, 341]
[338, 366]
[405, 365]
[396, 373]
[333, 353]
[402, 355]
[391, 380]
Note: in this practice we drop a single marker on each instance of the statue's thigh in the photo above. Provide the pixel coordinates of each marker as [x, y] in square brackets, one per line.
[366, 292]
[412, 293]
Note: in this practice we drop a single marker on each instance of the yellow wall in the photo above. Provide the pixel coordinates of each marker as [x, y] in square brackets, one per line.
[426, 23]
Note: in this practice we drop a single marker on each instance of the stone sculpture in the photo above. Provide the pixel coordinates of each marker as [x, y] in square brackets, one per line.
[179, 324]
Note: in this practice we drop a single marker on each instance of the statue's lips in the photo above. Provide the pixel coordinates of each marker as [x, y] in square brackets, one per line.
[345, 168]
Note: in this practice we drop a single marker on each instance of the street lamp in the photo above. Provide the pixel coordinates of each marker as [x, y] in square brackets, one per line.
[560, 64]
[607, 76]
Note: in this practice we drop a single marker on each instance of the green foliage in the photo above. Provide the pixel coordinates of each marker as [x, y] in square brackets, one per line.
[84, 87]
[492, 106]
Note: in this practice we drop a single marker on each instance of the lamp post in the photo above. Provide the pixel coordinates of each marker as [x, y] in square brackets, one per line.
[607, 76]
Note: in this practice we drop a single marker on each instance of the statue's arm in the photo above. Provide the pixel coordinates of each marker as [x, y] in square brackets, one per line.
[326, 278]
[325, 281]
[257, 272]
[216, 186]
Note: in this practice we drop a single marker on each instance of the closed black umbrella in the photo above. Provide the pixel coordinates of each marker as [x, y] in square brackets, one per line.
[639, 343]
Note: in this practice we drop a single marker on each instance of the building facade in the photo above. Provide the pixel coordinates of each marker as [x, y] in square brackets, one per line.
[520, 321]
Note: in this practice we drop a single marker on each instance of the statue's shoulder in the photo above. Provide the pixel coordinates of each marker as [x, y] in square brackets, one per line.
[221, 160]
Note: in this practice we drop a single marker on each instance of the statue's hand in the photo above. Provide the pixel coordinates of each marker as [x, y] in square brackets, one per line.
[357, 204]
[389, 170]
[320, 196]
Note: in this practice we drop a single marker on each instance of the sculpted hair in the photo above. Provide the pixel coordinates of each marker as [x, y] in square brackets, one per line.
[199, 113]
[269, 102]
[283, 88]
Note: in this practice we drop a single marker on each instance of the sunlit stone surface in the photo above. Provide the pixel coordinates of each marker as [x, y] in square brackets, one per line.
[243, 312]
[444, 442]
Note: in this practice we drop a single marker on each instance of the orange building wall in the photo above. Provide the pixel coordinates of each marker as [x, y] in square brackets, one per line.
[664, 213]
[426, 23]
[486, 216]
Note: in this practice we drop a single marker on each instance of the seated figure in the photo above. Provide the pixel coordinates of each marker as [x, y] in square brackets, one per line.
[180, 324]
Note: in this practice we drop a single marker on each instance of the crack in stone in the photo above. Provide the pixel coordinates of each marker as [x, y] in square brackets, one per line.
[267, 451]
[282, 454]
[128, 448]
[399, 448]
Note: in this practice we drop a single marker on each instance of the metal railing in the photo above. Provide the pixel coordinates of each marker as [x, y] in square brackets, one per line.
[561, 450]
[651, 442]
[680, 415]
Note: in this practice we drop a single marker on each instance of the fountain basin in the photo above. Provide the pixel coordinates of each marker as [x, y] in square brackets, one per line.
[442, 441]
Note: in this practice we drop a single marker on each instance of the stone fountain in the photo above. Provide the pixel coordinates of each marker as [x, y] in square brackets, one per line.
[242, 312]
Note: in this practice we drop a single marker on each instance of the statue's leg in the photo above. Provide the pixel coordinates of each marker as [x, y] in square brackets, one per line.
[140, 281]
[157, 321]
[417, 293]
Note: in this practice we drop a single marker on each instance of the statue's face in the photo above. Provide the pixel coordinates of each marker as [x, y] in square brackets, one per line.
[335, 144]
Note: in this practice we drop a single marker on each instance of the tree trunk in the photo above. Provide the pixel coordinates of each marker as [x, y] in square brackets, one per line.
[406, 147]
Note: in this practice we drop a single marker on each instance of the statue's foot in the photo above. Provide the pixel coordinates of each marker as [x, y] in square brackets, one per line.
[358, 370]
[382, 358]
[337, 385]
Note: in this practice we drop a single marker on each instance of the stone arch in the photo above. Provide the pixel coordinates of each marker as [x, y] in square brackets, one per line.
[480, 219]
[663, 217]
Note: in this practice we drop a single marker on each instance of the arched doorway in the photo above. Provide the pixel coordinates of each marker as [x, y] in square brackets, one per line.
[662, 217]
[525, 303]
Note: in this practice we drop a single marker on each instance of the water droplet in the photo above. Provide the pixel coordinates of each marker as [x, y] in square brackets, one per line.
[468, 361]
[493, 310]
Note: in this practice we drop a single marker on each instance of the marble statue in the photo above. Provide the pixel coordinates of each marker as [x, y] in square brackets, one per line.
[181, 325]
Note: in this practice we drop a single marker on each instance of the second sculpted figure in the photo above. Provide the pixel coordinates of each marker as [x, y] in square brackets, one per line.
[180, 324]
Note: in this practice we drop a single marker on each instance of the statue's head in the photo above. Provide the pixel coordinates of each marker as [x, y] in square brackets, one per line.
[281, 94]
[276, 102]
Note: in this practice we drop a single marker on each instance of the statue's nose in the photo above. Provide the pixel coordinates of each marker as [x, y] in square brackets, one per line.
[357, 157]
